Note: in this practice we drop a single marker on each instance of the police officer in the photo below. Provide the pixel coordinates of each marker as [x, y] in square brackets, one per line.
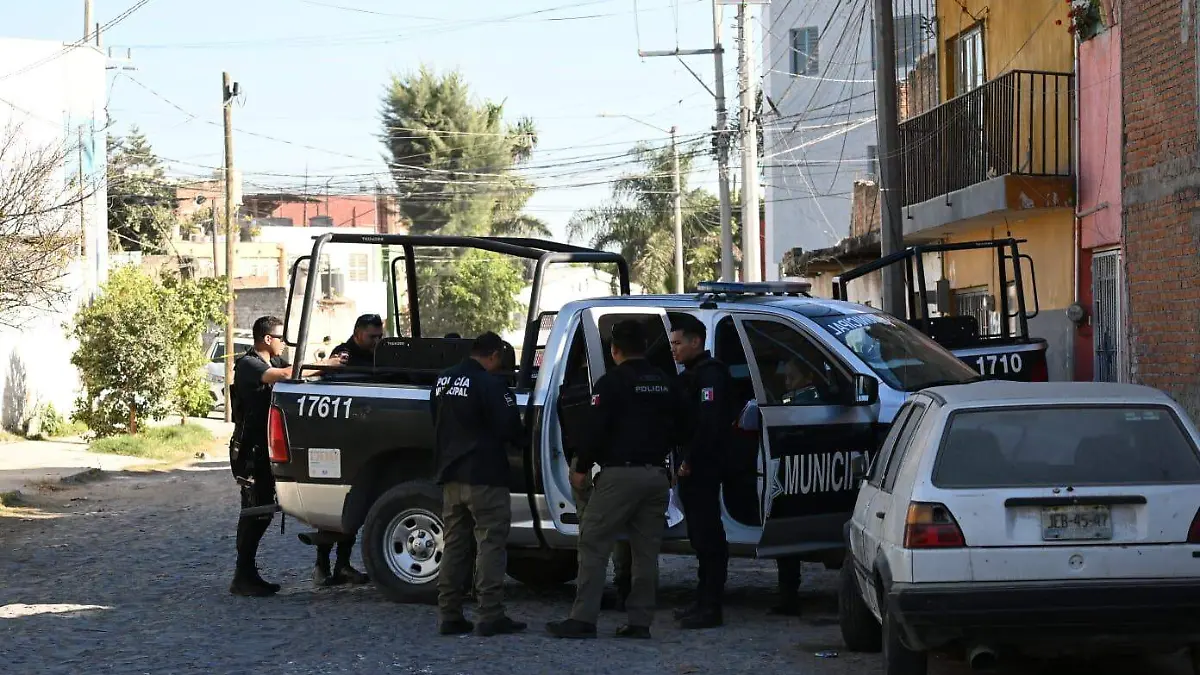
[709, 418]
[634, 422]
[357, 352]
[475, 415]
[253, 376]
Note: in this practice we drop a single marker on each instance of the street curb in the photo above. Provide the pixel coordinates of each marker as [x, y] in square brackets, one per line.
[89, 476]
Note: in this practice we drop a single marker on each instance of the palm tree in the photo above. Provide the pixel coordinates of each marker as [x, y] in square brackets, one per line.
[638, 222]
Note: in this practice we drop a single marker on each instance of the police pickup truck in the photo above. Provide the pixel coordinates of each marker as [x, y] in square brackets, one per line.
[355, 449]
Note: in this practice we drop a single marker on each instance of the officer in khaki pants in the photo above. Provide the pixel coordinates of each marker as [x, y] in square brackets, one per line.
[474, 416]
[634, 422]
[621, 557]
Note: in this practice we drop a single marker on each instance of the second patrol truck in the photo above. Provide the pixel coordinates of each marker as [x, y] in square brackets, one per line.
[356, 449]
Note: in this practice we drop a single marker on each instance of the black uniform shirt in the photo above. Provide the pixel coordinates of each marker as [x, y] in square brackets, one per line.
[635, 417]
[705, 386]
[252, 397]
[357, 356]
[475, 416]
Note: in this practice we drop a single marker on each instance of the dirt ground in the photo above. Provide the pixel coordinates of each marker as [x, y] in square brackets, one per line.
[130, 574]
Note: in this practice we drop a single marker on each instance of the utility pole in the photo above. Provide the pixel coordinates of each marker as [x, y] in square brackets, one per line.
[228, 92]
[722, 149]
[749, 131]
[87, 21]
[678, 198]
[890, 168]
[718, 93]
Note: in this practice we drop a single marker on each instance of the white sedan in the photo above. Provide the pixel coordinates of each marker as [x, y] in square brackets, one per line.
[1045, 519]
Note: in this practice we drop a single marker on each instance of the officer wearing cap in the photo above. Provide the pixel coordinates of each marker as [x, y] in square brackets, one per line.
[710, 414]
[635, 415]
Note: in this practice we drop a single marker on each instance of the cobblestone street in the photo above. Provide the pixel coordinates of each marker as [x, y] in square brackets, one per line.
[130, 575]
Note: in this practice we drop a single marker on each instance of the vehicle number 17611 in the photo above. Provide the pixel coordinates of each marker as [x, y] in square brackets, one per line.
[325, 407]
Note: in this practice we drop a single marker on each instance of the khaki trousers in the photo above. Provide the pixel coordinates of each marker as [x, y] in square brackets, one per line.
[490, 510]
[629, 500]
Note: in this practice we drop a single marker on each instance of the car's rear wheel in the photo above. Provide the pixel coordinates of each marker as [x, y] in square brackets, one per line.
[403, 542]
[542, 571]
[898, 659]
[860, 631]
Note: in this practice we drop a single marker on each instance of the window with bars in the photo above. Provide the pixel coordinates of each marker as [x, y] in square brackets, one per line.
[974, 302]
[359, 267]
[806, 51]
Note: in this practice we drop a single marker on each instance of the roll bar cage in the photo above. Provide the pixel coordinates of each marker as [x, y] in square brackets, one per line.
[542, 251]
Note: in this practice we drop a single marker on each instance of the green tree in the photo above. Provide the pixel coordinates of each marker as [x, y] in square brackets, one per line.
[141, 201]
[139, 353]
[453, 161]
[470, 293]
[638, 221]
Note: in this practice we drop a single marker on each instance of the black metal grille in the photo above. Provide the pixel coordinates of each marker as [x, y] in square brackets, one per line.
[1106, 316]
[1018, 123]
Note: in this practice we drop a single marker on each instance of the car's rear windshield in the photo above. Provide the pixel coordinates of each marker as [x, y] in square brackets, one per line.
[1057, 446]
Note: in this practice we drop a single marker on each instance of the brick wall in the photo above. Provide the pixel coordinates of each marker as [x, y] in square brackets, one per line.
[1161, 196]
[864, 208]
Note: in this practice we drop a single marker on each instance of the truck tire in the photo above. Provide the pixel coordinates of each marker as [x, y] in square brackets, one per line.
[860, 631]
[403, 542]
[539, 571]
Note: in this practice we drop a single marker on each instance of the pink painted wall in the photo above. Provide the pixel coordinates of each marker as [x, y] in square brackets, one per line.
[1100, 138]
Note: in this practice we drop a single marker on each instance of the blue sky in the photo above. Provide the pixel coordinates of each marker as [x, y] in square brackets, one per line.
[312, 73]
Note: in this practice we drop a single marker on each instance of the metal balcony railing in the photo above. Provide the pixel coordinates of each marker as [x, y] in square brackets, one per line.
[1018, 123]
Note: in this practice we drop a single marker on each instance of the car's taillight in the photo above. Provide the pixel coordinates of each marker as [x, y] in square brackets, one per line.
[277, 445]
[931, 526]
[1039, 372]
[1194, 530]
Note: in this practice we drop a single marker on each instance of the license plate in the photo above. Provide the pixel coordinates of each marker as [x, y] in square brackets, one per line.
[1076, 523]
[324, 463]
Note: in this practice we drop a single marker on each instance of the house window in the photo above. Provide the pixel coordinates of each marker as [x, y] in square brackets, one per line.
[359, 263]
[966, 51]
[806, 51]
[320, 221]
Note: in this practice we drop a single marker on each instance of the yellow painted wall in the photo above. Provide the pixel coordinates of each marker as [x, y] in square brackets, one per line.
[1018, 35]
[1050, 243]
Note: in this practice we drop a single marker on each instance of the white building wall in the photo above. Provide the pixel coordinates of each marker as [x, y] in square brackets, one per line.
[54, 95]
[817, 123]
[369, 294]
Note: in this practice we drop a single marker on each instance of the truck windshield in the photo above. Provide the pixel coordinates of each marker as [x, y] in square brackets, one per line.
[903, 357]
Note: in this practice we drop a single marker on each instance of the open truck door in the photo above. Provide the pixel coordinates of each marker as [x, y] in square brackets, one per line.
[1001, 349]
[588, 358]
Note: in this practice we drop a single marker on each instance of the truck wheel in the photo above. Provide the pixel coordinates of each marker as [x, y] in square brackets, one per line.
[897, 658]
[542, 572]
[860, 631]
[403, 542]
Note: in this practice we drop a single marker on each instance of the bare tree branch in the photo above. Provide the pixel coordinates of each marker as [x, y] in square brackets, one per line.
[40, 229]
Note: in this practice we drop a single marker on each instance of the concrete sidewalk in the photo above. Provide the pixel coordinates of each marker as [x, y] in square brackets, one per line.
[24, 462]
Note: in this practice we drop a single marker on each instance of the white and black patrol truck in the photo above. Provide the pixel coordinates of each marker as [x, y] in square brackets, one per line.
[355, 449]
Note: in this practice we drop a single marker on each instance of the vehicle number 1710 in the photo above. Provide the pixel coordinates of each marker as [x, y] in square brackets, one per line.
[1004, 364]
[325, 407]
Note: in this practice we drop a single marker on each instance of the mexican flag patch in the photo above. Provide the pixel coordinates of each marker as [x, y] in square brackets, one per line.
[707, 395]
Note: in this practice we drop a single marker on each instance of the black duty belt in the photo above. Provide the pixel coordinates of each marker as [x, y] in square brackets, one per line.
[652, 465]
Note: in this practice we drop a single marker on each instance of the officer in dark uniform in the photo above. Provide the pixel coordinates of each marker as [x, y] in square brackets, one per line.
[254, 374]
[475, 417]
[705, 386]
[634, 424]
[357, 352]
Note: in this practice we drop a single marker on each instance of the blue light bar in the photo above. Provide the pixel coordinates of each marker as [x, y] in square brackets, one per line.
[755, 288]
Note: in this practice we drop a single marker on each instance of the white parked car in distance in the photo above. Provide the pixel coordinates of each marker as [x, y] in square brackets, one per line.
[1039, 518]
[214, 370]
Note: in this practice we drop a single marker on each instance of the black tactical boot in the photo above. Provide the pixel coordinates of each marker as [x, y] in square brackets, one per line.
[707, 617]
[571, 629]
[502, 626]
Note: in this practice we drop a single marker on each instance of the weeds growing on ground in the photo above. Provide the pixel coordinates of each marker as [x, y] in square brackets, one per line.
[158, 443]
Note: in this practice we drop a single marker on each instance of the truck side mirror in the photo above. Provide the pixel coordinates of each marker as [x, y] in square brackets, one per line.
[866, 390]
